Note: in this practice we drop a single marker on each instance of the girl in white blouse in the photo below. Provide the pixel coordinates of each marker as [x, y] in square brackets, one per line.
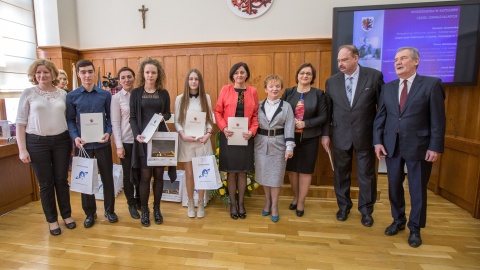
[193, 98]
[44, 142]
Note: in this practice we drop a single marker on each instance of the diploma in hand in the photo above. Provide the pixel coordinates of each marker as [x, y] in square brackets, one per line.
[195, 123]
[152, 127]
[237, 125]
[91, 127]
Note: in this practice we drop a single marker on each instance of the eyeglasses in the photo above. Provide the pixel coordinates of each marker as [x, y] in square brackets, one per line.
[305, 73]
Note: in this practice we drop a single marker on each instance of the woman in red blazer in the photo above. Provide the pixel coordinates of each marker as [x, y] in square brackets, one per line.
[237, 100]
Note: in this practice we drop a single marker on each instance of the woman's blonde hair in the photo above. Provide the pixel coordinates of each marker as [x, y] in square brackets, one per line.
[42, 62]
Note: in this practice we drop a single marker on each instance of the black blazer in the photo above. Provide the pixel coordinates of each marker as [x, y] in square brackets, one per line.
[315, 109]
[421, 124]
[352, 125]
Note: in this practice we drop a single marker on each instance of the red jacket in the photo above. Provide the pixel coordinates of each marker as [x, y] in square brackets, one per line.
[227, 105]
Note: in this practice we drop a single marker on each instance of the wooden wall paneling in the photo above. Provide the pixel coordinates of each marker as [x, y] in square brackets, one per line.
[170, 67]
[183, 65]
[295, 60]
[119, 63]
[109, 66]
[324, 68]
[196, 61]
[223, 69]
[133, 63]
[3, 110]
[210, 77]
[280, 67]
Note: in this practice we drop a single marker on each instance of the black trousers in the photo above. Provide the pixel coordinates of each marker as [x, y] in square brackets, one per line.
[49, 159]
[367, 180]
[132, 193]
[105, 168]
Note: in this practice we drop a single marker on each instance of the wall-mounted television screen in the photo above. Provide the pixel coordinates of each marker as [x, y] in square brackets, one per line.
[445, 33]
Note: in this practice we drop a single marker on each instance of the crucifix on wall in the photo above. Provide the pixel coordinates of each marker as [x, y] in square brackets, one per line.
[143, 10]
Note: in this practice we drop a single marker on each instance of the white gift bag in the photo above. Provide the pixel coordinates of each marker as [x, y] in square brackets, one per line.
[84, 176]
[205, 172]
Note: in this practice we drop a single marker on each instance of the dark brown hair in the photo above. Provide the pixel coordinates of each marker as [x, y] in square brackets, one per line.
[185, 101]
[314, 72]
[237, 66]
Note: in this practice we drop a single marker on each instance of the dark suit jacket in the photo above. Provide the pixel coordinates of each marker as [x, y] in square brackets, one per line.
[421, 124]
[315, 109]
[352, 125]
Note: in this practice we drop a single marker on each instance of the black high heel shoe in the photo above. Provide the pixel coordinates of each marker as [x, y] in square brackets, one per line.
[56, 231]
[71, 225]
[292, 206]
[233, 215]
[242, 215]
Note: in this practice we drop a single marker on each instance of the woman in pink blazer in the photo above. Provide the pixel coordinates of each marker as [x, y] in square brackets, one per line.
[237, 100]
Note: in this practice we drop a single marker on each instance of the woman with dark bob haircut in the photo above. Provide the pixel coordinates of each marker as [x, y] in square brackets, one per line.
[310, 110]
[237, 100]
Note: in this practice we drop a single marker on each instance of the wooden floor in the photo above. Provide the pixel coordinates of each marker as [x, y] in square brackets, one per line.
[315, 241]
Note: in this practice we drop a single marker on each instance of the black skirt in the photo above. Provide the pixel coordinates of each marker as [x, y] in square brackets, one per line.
[235, 158]
[304, 155]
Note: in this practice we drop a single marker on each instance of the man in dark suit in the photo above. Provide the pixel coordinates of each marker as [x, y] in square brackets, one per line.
[409, 129]
[352, 96]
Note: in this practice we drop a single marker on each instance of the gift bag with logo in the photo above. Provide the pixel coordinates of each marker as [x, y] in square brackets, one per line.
[205, 172]
[84, 176]
[162, 149]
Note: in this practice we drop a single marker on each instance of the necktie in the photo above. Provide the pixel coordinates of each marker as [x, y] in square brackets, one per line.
[403, 95]
[349, 90]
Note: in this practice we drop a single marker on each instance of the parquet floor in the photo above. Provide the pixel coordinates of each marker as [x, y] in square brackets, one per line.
[315, 241]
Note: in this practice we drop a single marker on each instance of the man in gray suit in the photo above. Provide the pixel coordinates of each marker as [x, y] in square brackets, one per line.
[352, 96]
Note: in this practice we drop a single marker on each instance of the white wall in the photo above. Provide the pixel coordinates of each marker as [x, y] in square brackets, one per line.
[117, 23]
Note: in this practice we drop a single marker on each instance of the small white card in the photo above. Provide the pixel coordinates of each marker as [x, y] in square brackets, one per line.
[91, 125]
[238, 125]
[152, 127]
[195, 123]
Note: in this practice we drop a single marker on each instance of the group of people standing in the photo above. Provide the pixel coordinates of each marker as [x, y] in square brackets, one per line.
[358, 113]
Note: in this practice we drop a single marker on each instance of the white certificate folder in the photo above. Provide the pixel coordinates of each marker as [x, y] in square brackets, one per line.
[238, 125]
[195, 123]
[91, 125]
[152, 127]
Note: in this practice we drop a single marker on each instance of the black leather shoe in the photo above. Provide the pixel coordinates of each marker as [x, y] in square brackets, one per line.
[157, 215]
[300, 212]
[292, 206]
[112, 217]
[56, 231]
[90, 221]
[133, 211]
[367, 220]
[394, 228]
[415, 240]
[342, 215]
[145, 220]
[71, 225]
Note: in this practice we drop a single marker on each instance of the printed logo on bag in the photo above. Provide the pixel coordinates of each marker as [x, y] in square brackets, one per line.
[91, 120]
[81, 175]
[195, 118]
[204, 173]
[238, 124]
